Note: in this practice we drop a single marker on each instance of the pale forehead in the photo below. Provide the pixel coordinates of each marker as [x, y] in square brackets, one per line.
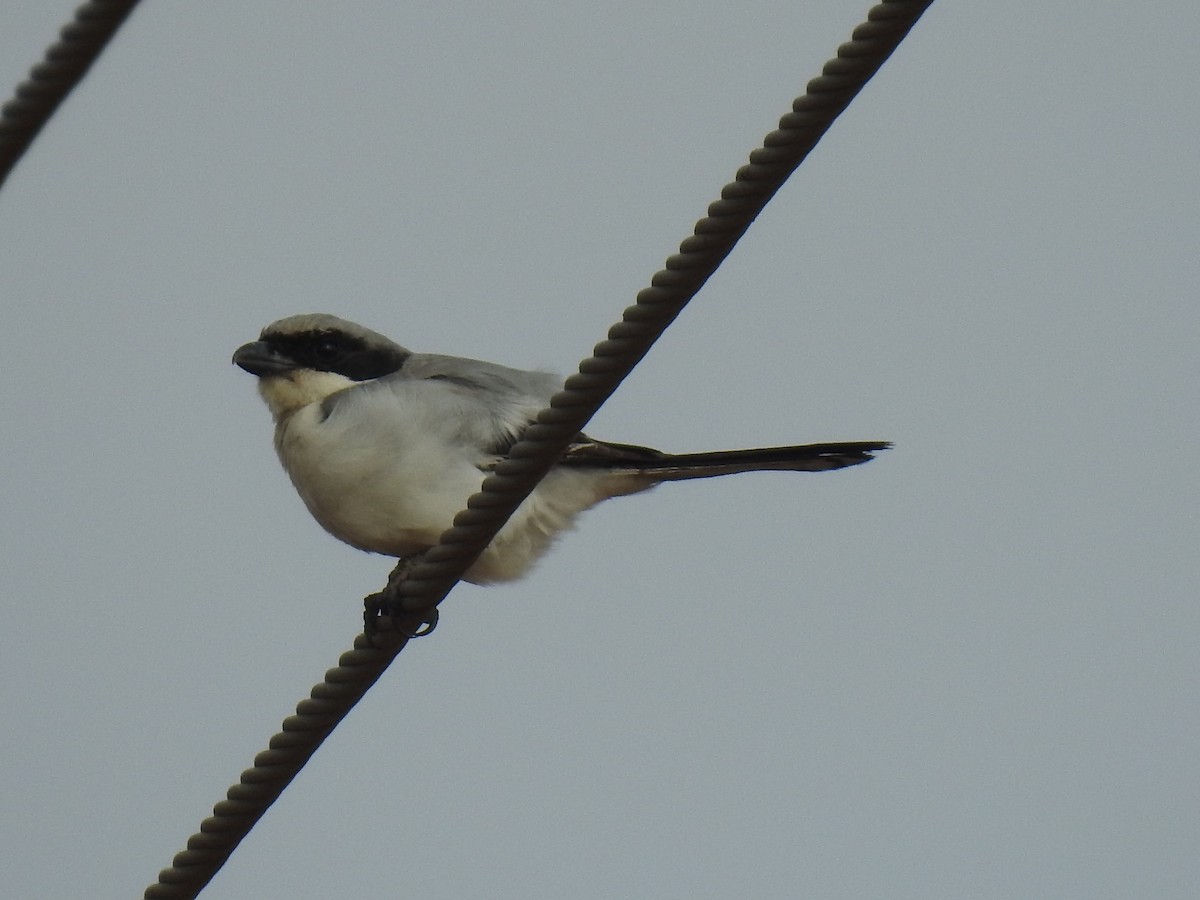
[308, 323]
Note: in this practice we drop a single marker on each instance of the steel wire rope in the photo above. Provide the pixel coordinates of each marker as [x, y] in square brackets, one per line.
[63, 66]
[671, 288]
[628, 341]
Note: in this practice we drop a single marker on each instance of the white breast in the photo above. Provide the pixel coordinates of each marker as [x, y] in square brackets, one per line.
[387, 470]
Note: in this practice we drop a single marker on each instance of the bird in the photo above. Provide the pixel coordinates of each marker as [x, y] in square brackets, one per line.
[385, 445]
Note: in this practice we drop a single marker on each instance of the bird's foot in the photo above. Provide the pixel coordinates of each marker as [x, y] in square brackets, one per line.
[388, 603]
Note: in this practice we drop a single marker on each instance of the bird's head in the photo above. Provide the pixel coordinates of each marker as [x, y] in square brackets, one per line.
[304, 359]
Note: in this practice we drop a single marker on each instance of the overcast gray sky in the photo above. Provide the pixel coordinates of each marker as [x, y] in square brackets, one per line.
[968, 669]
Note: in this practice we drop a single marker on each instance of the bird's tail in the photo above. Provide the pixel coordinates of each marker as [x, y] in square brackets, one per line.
[681, 466]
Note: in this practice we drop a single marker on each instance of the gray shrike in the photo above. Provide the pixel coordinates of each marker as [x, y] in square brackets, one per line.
[385, 445]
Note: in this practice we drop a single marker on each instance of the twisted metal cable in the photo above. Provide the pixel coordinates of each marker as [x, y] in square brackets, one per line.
[63, 66]
[657, 306]
[628, 341]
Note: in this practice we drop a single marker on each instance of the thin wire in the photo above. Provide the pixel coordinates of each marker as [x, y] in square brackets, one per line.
[628, 341]
[63, 66]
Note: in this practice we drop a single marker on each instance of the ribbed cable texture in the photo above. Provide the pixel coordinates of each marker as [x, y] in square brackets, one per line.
[628, 341]
[62, 67]
[657, 306]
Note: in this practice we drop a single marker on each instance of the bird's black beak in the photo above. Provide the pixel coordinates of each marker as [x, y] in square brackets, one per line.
[261, 359]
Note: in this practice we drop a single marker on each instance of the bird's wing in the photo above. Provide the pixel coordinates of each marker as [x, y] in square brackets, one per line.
[477, 404]
[490, 378]
[588, 453]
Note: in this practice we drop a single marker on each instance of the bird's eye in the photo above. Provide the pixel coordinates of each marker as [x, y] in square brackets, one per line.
[326, 350]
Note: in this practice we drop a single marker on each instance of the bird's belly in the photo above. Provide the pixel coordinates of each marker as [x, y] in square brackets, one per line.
[396, 496]
[395, 500]
[549, 511]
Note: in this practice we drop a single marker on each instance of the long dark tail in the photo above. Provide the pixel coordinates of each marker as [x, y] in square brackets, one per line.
[680, 466]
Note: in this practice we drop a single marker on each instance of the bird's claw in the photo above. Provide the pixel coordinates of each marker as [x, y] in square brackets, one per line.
[388, 603]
